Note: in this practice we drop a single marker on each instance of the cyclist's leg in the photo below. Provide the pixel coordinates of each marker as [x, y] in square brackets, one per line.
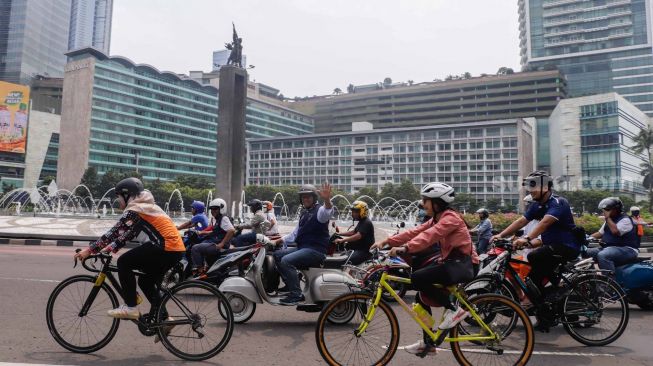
[542, 263]
[423, 279]
[199, 251]
[159, 263]
[127, 263]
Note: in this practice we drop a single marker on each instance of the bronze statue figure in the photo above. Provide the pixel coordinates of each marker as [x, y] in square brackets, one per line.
[236, 47]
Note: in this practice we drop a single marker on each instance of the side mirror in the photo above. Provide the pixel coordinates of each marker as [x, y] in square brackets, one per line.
[402, 224]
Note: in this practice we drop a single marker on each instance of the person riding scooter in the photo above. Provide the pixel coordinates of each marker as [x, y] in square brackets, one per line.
[215, 238]
[619, 234]
[268, 210]
[198, 222]
[258, 223]
[311, 236]
[362, 237]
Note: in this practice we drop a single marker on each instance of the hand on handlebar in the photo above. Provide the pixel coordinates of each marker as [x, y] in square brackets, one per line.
[82, 254]
[396, 251]
[520, 243]
[378, 245]
[495, 238]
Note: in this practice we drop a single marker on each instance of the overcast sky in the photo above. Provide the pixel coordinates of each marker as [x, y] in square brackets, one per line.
[308, 47]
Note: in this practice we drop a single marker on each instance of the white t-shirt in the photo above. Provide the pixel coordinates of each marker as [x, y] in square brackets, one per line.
[274, 230]
[226, 224]
[624, 226]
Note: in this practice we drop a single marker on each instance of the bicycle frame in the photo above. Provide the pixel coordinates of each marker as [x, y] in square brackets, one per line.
[383, 284]
[107, 273]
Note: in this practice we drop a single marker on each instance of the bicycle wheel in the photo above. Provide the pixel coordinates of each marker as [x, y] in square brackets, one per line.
[595, 312]
[81, 334]
[338, 343]
[208, 333]
[515, 349]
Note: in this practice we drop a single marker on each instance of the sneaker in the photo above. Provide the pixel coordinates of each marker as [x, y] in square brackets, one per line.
[125, 312]
[292, 300]
[453, 317]
[420, 348]
[166, 330]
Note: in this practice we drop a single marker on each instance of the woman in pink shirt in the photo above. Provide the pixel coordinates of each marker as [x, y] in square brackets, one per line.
[444, 252]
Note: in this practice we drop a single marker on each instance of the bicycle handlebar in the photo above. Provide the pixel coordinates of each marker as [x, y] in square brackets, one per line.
[102, 256]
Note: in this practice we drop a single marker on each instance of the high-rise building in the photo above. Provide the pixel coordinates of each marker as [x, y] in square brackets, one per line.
[122, 116]
[33, 38]
[90, 24]
[600, 45]
[593, 139]
[487, 159]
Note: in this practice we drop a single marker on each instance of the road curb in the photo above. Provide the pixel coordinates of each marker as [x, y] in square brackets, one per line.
[53, 242]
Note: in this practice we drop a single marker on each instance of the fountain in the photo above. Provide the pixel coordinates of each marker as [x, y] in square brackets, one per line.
[181, 203]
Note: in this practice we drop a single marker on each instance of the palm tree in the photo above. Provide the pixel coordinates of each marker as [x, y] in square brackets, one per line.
[643, 142]
[387, 81]
[351, 88]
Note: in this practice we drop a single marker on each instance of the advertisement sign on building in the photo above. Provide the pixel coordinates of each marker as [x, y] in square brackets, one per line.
[14, 102]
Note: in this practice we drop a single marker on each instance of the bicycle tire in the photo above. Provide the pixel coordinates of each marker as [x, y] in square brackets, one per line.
[362, 298]
[477, 302]
[56, 330]
[222, 306]
[577, 286]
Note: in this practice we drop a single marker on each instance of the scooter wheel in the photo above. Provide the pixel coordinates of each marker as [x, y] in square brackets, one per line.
[242, 308]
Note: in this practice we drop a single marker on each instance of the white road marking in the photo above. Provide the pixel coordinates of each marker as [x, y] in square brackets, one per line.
[540, 353]
[25, 279]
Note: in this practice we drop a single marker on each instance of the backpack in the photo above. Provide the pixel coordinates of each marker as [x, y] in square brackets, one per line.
[580, 235]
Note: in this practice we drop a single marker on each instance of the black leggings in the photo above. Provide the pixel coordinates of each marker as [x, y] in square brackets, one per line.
[544, 260]
[152, 261]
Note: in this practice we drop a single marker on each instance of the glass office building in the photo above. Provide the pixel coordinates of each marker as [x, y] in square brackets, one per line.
[600, 45]
[33, 38]
[594, 136]
[90, 24]
[123, 116]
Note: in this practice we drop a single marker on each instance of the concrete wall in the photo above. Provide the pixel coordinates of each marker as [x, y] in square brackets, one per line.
[41, 127]
[75, 122]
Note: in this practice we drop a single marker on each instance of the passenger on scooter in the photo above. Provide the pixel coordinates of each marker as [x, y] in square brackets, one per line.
[161, 247]
[556, 229]
[215, 238]
[268, 210]
[484, 230]
[362, 237]
[639, 221]
[619, 233]
[258, 223]
[311, 236]
[448, 234]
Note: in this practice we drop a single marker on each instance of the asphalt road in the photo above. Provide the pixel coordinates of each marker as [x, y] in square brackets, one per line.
[274, 336]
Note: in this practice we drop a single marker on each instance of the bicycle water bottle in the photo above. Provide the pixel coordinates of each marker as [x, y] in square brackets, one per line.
[139, 298]
[424, 316]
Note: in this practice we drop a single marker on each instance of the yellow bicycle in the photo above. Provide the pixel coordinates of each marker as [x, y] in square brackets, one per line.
[497, 331]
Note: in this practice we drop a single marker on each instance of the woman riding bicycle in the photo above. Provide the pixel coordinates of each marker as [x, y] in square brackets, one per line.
[161, 246]
[444, 248]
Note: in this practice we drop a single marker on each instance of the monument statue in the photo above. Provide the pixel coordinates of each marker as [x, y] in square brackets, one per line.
[236, 48]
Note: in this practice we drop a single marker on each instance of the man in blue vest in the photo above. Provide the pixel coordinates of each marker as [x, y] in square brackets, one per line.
[311, 236]
[619, 234]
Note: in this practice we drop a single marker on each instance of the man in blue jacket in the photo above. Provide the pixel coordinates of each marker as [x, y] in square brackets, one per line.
[311, 236]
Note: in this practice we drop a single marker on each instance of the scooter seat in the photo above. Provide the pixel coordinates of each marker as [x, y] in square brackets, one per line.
[335, 262]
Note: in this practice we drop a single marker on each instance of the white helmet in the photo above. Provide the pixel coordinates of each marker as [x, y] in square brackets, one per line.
[439, 190]
[634, 208]
[220, 204]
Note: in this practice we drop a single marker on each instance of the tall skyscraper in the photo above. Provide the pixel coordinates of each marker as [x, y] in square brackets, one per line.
[600, 45]
[33, 38]
[90, 24]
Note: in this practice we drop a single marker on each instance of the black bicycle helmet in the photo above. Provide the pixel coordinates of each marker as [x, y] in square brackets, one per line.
[130, 187]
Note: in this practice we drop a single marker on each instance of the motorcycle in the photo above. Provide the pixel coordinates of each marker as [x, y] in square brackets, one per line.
[636, 278]
[261, 279]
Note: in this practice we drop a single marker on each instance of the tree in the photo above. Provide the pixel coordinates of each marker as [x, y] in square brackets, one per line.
[643, 142]
[505, 71]
[406, 190]
[368, 191]
[7, 187]
[449, 77]
[337, 91]
[108, 181]
[351, 89]
[91, 180]
[194, 181]
[281, 96]
[410, 82]
[47, 180]
[466, 75]
[387, 81]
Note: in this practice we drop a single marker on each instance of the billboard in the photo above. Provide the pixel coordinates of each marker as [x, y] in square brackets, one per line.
[14, 110]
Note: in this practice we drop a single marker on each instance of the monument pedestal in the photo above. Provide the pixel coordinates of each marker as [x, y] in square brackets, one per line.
[230, 154]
